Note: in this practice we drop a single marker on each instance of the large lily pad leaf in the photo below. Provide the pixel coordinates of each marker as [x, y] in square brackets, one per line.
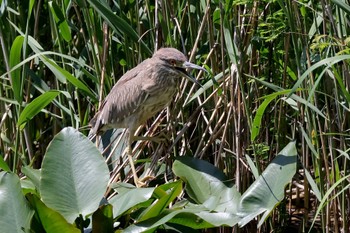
[74, 175]
[15, 214]
[268, 190]
[207, 185]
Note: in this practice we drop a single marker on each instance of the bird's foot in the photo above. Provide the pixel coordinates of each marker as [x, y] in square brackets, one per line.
[147, 178]
[140, 183]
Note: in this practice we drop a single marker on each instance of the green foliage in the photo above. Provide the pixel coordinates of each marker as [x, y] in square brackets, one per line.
[268, 190]
[36, 106]
[78, 168]
[16, 214]
[73, 180]
[278, 71]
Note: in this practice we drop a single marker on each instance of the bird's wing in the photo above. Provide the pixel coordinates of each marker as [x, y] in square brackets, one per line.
[126, 96]
[122, 101]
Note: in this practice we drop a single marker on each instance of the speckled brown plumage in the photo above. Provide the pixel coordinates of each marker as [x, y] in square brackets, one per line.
[142, 92]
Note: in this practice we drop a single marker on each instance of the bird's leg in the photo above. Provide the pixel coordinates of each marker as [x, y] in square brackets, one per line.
[137, 182]
[161, 137]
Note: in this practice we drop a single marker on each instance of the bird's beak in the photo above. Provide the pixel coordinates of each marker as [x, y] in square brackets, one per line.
[186, 65]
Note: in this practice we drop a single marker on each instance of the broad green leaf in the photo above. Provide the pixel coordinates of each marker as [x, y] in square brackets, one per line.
[194, 216]
[34, 107]
[206, 184]
[28, 187]
[268, 190]
[219, 218]
[3, 164]
[15, 58]
[74, 175]
[60, 21]
[258, 116]
[33, 175]
[128, 199]
[166, 217]
[168, 196]
[51, 220]
[15, 214]
[102, 219]
[206, 217]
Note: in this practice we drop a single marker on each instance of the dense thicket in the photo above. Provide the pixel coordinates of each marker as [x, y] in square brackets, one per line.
[278, 72]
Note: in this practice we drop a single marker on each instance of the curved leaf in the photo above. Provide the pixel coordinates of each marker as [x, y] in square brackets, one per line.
[3, 164]
[74, 175]
[206, 184]
[157, 208]
[15, 58]
[102, 219]
[61, 74]
[194, 216]
[167, 217]
[129, 198]
[328, 62]
[15, 214]
[51, 221]
[35, 107]
[33, 175]
[268, 190]
[60, 21]
[258, 116]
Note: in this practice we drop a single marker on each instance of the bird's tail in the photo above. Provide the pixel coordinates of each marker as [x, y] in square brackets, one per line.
[94, 126]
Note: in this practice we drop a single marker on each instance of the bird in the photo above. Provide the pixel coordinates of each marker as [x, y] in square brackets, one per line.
[140, 93]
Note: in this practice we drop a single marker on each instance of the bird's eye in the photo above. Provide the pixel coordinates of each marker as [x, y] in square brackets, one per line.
[172, 62]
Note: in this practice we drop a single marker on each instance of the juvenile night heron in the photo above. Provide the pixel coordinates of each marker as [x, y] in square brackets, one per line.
[140, 93]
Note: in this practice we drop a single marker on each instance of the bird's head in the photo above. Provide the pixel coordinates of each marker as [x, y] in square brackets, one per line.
[177, 61]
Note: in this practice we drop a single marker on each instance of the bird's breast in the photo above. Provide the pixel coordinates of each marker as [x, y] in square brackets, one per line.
[156, 101]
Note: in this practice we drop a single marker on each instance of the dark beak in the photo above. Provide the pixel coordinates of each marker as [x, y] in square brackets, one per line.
[186, 65]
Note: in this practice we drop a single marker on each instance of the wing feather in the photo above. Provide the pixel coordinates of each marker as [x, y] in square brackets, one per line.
[126, 96]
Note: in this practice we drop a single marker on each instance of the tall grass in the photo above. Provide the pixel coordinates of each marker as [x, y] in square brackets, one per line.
[279, 71]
